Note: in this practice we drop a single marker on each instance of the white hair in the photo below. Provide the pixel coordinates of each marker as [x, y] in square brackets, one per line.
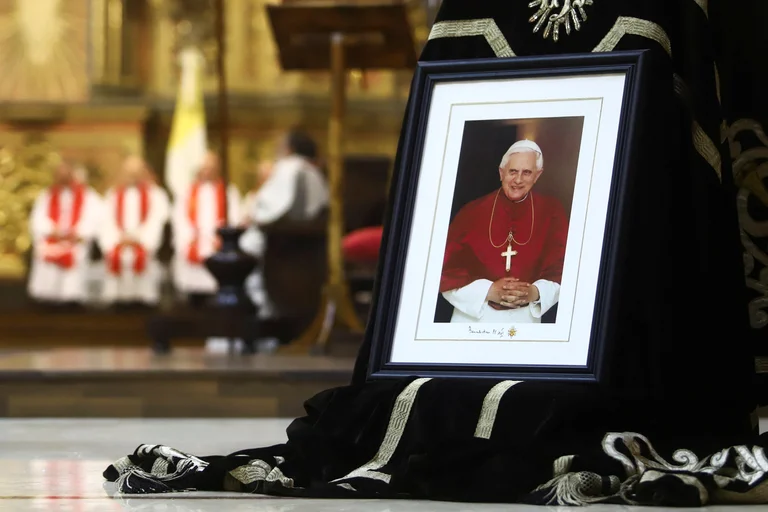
[524, 146]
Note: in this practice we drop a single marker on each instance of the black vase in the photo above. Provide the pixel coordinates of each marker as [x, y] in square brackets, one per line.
[230, 266]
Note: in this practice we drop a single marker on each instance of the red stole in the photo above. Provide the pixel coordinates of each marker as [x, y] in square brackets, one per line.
[140, 254]
[469, 254]
[55, 253]
[193, 252]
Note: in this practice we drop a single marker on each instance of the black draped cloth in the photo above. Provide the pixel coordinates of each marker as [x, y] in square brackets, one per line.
[673, 427]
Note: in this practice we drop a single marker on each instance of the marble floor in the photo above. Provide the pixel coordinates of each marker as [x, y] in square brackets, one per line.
[56, 465]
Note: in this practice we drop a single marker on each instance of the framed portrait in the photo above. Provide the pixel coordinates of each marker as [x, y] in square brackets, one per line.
[502, 251]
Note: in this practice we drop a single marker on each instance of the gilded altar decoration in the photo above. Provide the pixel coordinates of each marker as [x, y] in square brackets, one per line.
[23, 174]
[750, 170]
[193, 26]
[43, 52]
[571, 15]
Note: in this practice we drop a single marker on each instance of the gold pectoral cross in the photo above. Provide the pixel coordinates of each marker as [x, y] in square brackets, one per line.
[508, 255]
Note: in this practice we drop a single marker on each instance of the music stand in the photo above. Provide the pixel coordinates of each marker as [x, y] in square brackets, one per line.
[315, 36]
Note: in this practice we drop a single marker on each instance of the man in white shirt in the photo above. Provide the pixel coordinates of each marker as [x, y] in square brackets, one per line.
[197, 215]
[63, 225]
[292, 188]
[136, 211]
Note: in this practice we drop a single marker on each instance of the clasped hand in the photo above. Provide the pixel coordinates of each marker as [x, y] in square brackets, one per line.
[512, 293]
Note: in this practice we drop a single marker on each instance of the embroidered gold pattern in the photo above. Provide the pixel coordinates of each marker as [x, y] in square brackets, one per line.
[750, 465]
[704, 145]
[562, 465]
[253, 471]
[624, 26]
[491, 408]
[750, 171]
[485, 27]
[124, 465]
[706, 148]
[634, 26]
[704, 4]
[276, 475]
[397, 423]
[735, 467]
[159, 467]
[259, 471]
[570, 13]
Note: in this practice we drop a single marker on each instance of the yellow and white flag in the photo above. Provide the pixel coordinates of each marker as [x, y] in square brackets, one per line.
[187, 144]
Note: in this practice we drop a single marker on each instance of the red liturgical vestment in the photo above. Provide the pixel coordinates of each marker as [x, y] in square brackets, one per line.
[470, 256]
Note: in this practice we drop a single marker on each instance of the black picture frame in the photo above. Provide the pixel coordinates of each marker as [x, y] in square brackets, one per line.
[398, 228]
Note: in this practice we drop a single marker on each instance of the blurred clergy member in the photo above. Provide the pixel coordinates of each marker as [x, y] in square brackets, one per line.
[293, 187]
[504, 254]
[197, 214]
[135, 214]
[63, 225]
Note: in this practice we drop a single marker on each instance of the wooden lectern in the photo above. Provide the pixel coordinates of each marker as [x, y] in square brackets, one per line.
[337, 37]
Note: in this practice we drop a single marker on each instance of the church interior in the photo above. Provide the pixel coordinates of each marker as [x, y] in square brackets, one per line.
[96, 82]
[88, 86]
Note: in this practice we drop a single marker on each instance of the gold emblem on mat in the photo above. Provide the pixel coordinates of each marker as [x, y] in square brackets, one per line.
[512, 332]
[571, 15]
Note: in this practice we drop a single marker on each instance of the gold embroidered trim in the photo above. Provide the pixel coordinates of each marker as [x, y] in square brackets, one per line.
[704, 4]
[253, 471]
[704, 145]
[485, 27]
[491, 408]
[562, 465]
[276, 475]
[717, 84]
[159, 467]
[707, 149]
[634, 26]
[397, 423]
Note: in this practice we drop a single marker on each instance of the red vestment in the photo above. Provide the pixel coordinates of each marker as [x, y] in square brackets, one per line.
[469, 255]
[193, 252]
[56, 251]
[362, 245]
[140, 254]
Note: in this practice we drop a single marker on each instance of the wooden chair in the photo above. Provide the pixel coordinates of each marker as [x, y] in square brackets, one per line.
[294, 269]
[295, 260]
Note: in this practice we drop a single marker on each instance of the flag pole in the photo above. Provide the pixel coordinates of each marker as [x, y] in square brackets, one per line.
[223, 103]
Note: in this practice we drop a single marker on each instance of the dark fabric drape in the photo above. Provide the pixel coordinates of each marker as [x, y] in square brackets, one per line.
[741, 45]
[683, 372]
[684, 309]
[444, 440]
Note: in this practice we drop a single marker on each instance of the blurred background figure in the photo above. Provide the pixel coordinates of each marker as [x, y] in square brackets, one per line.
[63, 223]
[197, 214]
[252, 240]
[135, 214]
[291, 188]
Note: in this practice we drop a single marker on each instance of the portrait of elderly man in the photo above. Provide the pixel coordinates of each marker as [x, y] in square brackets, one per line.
[504, 253]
